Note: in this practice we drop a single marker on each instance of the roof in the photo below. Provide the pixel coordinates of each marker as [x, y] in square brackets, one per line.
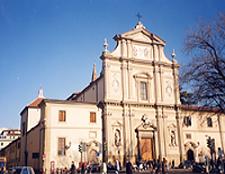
[75, 95]
[73, 102]
[199, 108]
[140, 28]
[36, 102]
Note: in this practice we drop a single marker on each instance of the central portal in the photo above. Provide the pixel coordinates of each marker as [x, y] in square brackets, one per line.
[146, 147]
[145, 142]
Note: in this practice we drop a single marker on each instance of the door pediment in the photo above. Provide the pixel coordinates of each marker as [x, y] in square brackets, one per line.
[143, 127]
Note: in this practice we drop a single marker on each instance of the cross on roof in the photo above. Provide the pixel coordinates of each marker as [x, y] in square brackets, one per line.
[139, 16]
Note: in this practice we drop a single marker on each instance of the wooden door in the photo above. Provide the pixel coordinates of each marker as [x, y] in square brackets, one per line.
[146, 148]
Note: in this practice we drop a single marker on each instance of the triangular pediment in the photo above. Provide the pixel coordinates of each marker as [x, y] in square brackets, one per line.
[140, 44]
[142, 35]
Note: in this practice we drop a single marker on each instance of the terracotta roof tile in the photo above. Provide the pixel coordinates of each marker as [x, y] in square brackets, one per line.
[36, 102]
[199, 108]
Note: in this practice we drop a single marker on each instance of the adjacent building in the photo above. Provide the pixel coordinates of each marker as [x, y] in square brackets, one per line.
[7, 136]
[63, 127]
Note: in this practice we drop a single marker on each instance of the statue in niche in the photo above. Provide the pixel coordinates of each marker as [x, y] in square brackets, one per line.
[173, 138]
[117, 137]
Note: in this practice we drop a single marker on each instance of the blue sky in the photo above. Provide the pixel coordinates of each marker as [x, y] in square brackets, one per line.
[54, 43]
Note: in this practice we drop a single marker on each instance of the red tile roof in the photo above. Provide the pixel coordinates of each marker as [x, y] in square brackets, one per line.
[36, 102]
[199, 108]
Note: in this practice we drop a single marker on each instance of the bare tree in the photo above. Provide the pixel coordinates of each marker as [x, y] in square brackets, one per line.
[205, 74]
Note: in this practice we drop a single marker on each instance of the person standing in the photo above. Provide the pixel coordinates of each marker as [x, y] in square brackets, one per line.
[82, 170]
[72, 168]
[129, 168]
[117, 166]
[104, 168]
[2, 170]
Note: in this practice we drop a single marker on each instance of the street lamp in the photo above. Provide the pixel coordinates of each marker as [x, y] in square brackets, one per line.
[211, 145]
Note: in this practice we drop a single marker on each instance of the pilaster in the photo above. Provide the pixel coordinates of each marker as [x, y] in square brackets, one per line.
[159, 132]
[105, 132]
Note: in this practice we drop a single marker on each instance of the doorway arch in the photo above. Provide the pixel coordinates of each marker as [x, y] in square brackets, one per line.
[190, 155]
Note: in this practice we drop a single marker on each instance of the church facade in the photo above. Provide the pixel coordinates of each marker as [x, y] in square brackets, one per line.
[138, 92]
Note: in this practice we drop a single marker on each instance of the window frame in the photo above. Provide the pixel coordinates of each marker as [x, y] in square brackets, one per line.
[209, 122]
[93, 117]
[61, 146]
[143, 86]
[62, 116]
[187, 121]
[188, 136]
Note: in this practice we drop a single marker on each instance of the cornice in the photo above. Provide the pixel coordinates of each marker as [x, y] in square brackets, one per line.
[139, 61]
[136, 104]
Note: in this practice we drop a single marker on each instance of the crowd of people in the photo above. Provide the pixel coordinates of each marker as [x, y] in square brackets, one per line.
[154, 167]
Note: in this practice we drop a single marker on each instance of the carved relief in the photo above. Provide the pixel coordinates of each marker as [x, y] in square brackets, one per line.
[169, 88]
[116, 134]
[117, 138]
[115, 83]
[172, 135]
[173, 138]
[140, 52]
[135, 52]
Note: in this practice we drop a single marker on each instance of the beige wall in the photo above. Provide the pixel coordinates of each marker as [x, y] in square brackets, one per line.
[76, 129]
[33, 117]
[33, 146]
[199, 132]
[93, 93]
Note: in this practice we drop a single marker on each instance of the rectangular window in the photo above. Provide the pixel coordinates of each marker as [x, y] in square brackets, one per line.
[92, 117]
[143, 90]
[187, 121]
[188, 136]
[61, 146]
[35, 155]
[209, 122]
[62, 116]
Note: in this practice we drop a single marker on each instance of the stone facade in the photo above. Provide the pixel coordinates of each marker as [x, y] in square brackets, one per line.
[140, 102]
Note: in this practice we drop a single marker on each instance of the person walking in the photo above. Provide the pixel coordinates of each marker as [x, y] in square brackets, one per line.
[2, 170]
[82, 170]
[129, 168]
[104, 168]
[73, 168]
[117, 166]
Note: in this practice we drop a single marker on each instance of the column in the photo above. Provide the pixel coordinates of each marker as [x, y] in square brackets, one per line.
[105, 133]
[138, 144]
[177, 110]
[124, 135]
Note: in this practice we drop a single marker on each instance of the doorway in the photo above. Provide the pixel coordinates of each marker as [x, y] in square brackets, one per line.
[190, 155]
[146, 148]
